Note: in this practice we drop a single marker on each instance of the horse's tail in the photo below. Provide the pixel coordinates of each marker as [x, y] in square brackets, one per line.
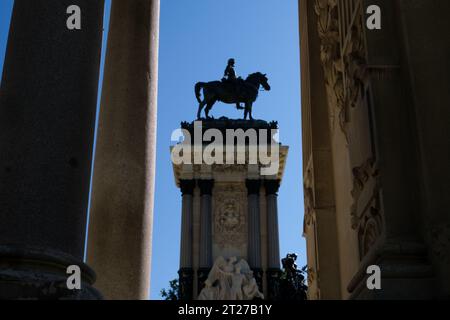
[198, 87]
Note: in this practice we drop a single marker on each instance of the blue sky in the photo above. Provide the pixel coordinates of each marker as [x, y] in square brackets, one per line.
[197, 38]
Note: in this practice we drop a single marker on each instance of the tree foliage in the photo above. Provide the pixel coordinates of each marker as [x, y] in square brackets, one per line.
[172, 293]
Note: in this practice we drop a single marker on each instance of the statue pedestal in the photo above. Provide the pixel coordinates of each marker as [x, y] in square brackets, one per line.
[229, 209]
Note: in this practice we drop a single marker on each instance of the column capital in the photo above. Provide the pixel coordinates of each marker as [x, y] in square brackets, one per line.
[253, 186]
[187, 187]
[272, 186]
[206, 186]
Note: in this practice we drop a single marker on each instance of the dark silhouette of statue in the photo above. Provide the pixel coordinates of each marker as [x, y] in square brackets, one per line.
[231, 78]
[292, 281]
[230, 73]
[231, 90]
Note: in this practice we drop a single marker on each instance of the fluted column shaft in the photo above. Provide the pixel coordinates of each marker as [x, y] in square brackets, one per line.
[120, 229]
[272, 187]
[254, 224]
[48, 102]
[206, 187]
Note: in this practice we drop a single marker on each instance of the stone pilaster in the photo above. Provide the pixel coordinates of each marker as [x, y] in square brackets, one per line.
[120, 229]
[186, 273]
[206, 187]
[272, 187]
[254, 224]
[48, 101]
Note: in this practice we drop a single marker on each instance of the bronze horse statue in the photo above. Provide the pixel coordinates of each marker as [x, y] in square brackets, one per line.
[225, 91]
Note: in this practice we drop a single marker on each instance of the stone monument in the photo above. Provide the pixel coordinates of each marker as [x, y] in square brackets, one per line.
[229, 233]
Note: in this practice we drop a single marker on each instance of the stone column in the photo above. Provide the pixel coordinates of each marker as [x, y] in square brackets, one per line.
[47, 115]
[121, 217]
[273, 271]
[206, 261]
[254, 229]
[272, 187]
[186, 258]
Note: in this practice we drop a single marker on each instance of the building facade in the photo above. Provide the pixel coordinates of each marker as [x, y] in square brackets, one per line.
[376, 148]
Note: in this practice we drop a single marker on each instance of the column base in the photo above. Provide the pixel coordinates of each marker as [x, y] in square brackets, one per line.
[38, 274]
[273, 284]
[186, 284]
[405, 273]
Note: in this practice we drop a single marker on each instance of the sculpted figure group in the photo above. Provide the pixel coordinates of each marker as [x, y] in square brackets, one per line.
[230, 280]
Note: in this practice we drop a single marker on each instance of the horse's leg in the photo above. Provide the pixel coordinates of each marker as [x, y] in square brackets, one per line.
[208, 108]
[248, 111]
[200, 108]
[250, 107]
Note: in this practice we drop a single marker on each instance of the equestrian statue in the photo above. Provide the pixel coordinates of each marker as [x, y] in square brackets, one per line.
[231, 90]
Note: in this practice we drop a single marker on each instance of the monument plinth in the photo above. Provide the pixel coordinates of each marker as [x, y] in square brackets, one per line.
[229, 207]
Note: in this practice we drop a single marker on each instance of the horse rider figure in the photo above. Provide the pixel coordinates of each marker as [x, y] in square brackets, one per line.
[230, 76]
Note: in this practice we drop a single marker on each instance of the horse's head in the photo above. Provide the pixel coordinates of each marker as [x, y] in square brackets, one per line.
[260, 79]
[265, 82]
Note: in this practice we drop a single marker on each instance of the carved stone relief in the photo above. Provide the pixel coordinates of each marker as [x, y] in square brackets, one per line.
[370, 229]
[366, 215]
[230, 219]
[308, 192]
[361, 176]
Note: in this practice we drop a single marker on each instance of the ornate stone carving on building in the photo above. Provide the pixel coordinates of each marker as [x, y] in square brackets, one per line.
[230, 220]
[309, 206]
[308, 191]
[343, 57]
[366, 217]
[312, 274]
[370, 229]
[361, 176]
